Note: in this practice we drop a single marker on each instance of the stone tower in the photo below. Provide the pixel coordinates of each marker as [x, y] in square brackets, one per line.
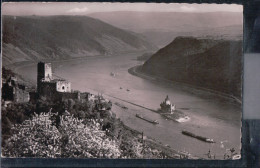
[44, 73]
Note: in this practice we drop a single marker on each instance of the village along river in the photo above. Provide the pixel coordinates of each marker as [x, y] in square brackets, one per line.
[210, 117]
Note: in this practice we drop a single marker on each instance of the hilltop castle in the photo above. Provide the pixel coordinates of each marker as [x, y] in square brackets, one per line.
[53, 88]
[49, 88]
[58, 89]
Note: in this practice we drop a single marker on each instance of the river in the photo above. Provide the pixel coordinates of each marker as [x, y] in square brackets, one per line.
[212, 118]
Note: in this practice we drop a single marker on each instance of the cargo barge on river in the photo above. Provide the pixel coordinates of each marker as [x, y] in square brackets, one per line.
[146, 119]
[120, 105]
[198, 137]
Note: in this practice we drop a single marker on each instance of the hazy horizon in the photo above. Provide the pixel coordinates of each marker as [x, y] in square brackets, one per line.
[86, 8]
[118, 11]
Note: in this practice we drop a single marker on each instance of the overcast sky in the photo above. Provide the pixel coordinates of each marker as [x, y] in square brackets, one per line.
[72, 8]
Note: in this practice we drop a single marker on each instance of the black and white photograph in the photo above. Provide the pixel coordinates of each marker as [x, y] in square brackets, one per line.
[121, 80]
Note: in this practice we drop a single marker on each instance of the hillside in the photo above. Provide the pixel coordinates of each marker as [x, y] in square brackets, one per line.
[60, 37]
[162, 38]
[207, 63]
[161, 27]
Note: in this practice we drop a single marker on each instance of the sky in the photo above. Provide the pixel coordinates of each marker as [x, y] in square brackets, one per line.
[84, 8]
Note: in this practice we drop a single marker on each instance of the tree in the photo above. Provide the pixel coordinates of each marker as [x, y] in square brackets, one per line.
[39, 137]
[36, 137]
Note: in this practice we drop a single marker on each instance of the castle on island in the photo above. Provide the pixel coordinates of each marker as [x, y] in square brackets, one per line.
[167, 106]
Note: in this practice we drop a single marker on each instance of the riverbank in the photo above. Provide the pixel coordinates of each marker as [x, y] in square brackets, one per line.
[16, 65]
[204, 92]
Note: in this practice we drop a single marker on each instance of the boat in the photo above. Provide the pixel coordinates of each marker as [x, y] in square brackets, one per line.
[121, 88]
[120, 105]
[112, 74]
[198, 137]
[127, 90]
[146, 119]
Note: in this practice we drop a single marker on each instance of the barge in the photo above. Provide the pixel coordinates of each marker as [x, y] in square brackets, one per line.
[120, 105]
[198, 137]
[146, 119]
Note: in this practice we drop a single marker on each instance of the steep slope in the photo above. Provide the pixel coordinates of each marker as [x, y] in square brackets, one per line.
[212, 64]
[61, 37]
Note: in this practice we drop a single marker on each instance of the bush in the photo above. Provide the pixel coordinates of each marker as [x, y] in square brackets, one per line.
[39, 137]
[36, 137]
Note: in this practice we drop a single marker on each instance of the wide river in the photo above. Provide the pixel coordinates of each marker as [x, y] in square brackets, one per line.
[212, 118]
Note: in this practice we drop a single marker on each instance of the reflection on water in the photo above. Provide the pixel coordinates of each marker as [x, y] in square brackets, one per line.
[94, 75]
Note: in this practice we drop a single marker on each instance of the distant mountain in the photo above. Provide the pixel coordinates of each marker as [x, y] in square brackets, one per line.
[161, 27]
[161, 38]
[207, 63]
[60, 37]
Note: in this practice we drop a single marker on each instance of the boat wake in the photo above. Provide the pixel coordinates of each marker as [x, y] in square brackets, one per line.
[183, 119]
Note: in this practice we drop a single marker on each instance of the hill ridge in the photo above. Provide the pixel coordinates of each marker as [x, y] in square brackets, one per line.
[60, 37]
[216, 66]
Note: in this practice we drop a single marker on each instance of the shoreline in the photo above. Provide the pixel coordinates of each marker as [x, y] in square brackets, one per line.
[16, 65]
[187, 87]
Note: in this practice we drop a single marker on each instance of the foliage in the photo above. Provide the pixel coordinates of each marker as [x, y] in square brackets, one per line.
[14, 113]
[36, 137]
[39, 137]
[86, 140]
[75, 138]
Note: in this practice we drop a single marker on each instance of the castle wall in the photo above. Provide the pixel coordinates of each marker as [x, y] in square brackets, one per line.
[53, 89]
[13, 91]
[44, 72]
[7, 92]
[63, 86]
[66, 95]
[21, 96]
[40, 74]
[48, 71]
[48, 90]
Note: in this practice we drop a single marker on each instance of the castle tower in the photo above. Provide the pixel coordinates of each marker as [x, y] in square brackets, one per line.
[167, 100]
[44, 73]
